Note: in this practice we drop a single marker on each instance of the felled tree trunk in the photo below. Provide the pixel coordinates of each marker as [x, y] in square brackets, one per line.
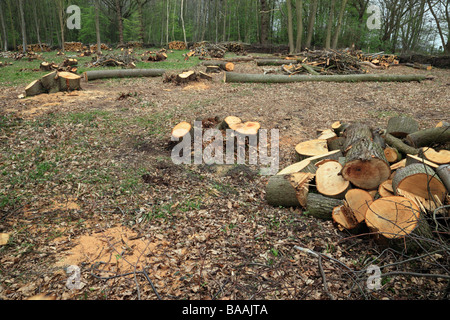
[122, 73]
[224, 65]
[261, 78]
[400, 145]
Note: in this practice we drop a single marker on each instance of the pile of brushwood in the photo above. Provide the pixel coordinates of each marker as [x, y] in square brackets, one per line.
[392, 183]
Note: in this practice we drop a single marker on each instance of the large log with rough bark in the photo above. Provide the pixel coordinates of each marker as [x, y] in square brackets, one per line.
[122, 73]
[399, 145]
[365, 163]
[261, 78]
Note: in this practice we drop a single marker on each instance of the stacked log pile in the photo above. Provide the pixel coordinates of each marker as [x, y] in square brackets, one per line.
[74, 46]
[104, 47]
[35, 47]
[177, 45]
[54, 82]
[391, 182]
[205, 48]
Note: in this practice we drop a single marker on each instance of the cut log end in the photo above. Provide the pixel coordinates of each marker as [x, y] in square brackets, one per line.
[329, 182]
[181, 130]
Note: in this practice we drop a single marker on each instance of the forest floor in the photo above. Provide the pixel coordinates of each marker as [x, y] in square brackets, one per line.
[86, 179]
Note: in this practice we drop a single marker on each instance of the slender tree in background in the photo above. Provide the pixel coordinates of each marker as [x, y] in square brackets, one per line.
[97, 26]
[446, 4]
[339, 24]
[23, 26]
[299, 9]
[60, 6]
[4, 33]
[311, 22]
[330, 25]
[264, 29]
[182, 22]
[290, 27]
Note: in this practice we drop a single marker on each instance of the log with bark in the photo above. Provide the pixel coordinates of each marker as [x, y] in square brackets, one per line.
[224, 65]
[365, 164]
[399, 145]
[401, 126]
[321, 207]
[429, 137]
[444, 173]
[233, 77]
[122, 73]
[290, 190]
[420, 180]
[34, 88]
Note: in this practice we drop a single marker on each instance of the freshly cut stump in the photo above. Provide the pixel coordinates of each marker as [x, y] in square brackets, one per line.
[419, 180]
[249, 128]
[228, 122]
[311, 148]
[50, 82]
[69, 81]
[181, 130]
[329, 182]
[438, 157]
[289, 190]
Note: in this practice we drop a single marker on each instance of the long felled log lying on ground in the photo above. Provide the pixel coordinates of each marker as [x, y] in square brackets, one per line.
[261, 78]
[224, 65]
[122, 73]
[427, 137]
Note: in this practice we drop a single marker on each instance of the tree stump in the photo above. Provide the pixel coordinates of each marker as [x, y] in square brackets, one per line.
[34, 88]
[69, 81]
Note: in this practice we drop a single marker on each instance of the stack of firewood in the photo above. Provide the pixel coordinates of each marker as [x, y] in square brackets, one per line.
[35, 47]
[74, 46]
[177, 45]
[154, 56]
[389, 181]
[378, 59]
[235, 47]
[104, 47]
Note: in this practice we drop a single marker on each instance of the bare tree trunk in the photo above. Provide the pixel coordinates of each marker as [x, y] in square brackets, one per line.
[290, 27]
[97, 26]
[338, 28]
[182, 22]
[24, 29]
[36, 20]
[264, 22]
[4, 34]
[299, 7]
[330, 25]
[120, 21]
[167, 22]
[60, 6]
[445, 45]
[11, 20]
[311, 22]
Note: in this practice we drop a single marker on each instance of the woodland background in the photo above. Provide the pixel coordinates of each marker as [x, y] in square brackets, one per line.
[406, 25]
